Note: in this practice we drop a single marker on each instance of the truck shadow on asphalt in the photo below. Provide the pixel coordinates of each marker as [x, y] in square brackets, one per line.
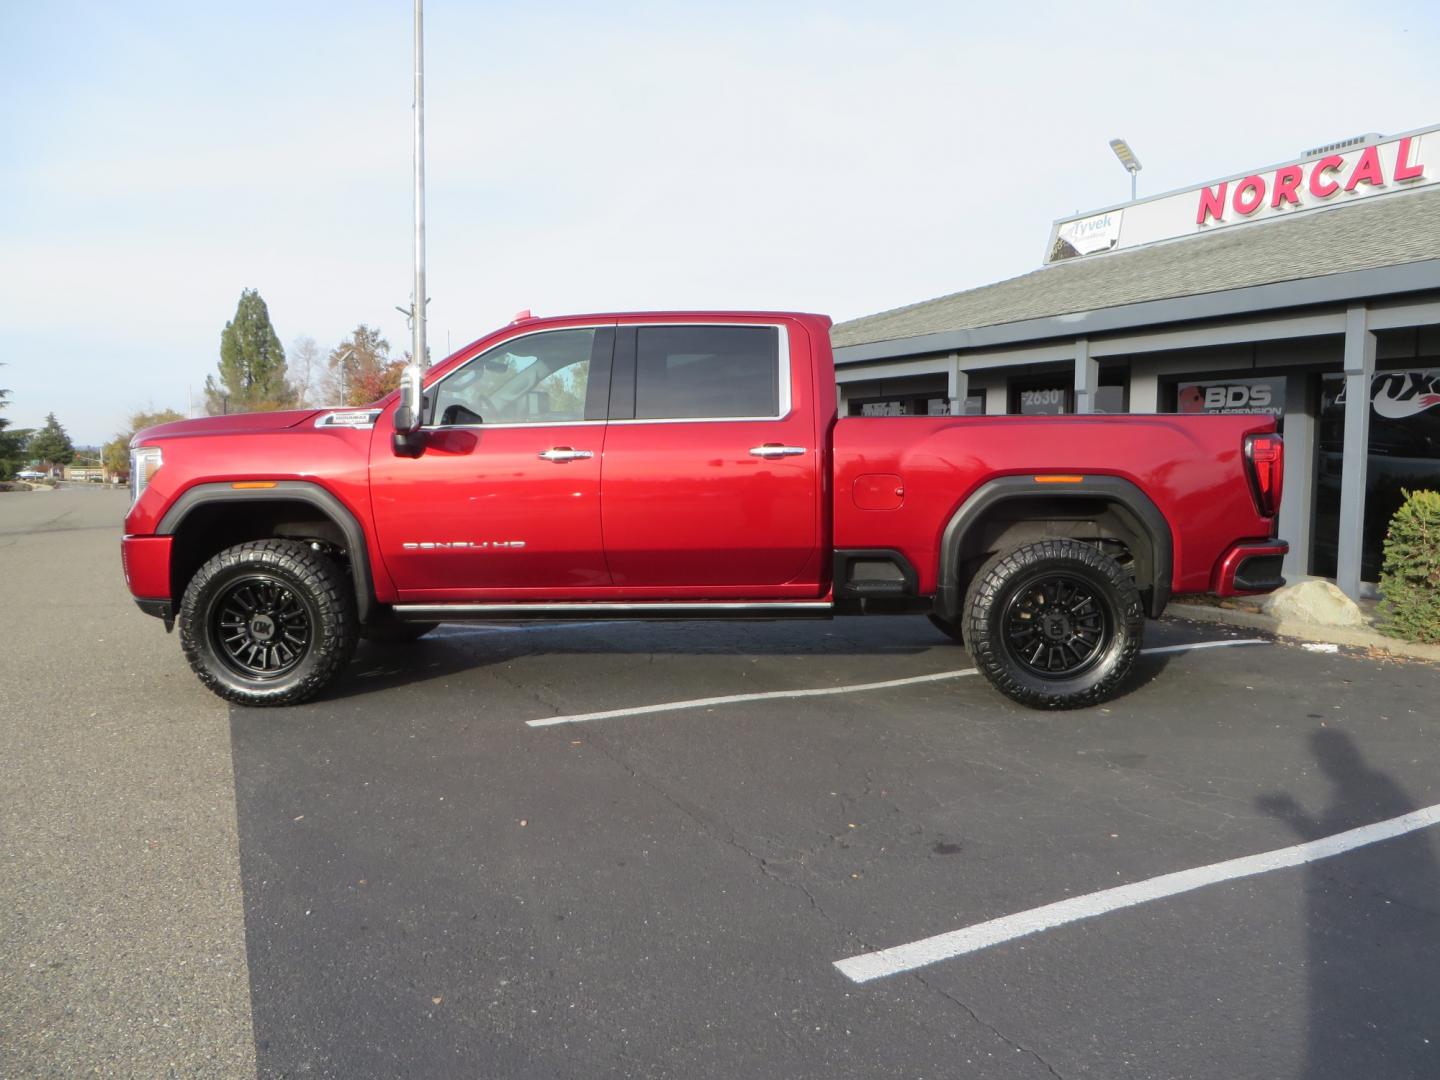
[455, 650]
[1372, 920]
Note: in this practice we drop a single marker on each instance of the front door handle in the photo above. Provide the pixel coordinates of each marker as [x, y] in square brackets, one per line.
[562, 454]
[775, 450]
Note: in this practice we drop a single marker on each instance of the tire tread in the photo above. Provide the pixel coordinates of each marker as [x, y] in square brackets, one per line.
[987, 651]
[335, 630]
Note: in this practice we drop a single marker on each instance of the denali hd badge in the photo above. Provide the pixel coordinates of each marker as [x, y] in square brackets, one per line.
[460, 545]
[355, 418]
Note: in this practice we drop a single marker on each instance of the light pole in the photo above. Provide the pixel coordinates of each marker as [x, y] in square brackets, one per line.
[1122, 151]
[339, 364]
[417, 306]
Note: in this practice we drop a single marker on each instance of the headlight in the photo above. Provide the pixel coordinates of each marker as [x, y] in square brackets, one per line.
[144, 460]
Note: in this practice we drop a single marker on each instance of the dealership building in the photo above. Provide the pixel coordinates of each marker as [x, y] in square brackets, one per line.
[1293, 290]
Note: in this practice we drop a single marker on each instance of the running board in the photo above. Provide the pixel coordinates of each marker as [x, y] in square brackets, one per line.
[664, 609]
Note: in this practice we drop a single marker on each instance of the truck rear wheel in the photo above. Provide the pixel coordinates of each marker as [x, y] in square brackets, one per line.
[270, 622]
[1054, 624]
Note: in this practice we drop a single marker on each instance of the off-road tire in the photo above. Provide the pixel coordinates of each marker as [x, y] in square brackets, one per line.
[948, 627]
[394, 632]
[307, 581]
[995, 617]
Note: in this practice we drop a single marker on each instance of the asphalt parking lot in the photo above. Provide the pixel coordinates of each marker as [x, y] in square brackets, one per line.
[408, 878]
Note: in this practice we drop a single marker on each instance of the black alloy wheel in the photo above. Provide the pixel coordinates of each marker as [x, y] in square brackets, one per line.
[269, 622]
[260, 627]
[1054, 624]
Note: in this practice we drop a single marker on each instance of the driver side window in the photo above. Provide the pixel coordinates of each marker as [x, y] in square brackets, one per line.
[539, 379]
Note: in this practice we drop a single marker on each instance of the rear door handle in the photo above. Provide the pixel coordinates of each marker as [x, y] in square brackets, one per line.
[775, 450]
[562, 454]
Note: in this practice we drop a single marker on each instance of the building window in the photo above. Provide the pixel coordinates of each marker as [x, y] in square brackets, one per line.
[1050, 398]
[915, 405]
[1112, 399]
[1258, 397]
[1404, 455]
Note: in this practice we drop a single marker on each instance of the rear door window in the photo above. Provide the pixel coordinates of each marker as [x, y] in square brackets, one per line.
[707, 372]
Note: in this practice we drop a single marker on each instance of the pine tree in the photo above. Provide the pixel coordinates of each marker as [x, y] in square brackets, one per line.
[252, 374]
[51, 444]
[10, 444]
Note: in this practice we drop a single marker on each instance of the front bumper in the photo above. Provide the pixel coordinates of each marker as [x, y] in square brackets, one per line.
[161, 609]
[146, 560]
[1251, 568]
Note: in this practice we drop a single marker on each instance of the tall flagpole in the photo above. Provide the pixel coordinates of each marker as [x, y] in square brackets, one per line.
[417, 308]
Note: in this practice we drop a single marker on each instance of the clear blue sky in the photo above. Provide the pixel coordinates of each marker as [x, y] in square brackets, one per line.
[155, 158]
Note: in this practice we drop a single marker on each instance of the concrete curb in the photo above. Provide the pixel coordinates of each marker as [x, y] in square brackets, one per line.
[1335, 635]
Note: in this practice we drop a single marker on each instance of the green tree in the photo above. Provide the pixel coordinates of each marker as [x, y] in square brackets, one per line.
[252, 375]
[51, 444]
[1410, 578]
[11, 445]
[116, 454]
[362, 367]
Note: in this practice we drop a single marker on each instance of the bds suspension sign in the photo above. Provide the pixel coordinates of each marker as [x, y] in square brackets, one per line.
[1328, 178]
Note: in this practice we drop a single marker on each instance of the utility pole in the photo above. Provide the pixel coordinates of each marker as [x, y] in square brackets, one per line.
[417, 307]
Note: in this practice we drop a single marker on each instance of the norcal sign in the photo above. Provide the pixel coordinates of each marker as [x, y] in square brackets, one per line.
[1363, 172]
[1333, 176]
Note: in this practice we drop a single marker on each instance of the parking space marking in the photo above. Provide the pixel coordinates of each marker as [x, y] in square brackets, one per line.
[731, 699]
[854, 688]
[1203, 645]
[931, 950]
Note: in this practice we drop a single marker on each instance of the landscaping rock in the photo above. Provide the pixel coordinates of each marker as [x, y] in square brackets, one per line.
[1319, 603]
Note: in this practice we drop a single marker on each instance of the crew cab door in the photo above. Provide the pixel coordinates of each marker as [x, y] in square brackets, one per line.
[711, 483]
[504, 500]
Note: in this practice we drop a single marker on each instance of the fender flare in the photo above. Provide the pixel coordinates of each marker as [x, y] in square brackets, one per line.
[300, 491]
[1113, 489]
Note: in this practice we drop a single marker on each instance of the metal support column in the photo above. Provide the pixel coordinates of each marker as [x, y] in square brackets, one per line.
[1144, 391]
[1087, 377]
[1297, 506]
[1359, 374]
[997, 397]
[958, 388]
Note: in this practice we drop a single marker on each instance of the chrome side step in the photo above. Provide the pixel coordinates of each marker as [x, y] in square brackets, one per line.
[640, 609]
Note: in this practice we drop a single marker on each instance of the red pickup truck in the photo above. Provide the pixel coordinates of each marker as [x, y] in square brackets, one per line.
[685, 465]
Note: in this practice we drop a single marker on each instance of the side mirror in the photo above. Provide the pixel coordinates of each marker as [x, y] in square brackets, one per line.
[408, 439]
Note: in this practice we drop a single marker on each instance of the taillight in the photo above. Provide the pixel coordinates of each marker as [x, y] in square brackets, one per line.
[1265, 462]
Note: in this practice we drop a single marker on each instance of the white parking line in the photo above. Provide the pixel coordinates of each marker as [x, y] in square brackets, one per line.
[731, 699]
[854, 688]
[1203, 645]
[931, 950]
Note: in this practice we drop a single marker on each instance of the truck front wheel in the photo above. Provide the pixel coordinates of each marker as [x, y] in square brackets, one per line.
[1054, 625]
[270, 622]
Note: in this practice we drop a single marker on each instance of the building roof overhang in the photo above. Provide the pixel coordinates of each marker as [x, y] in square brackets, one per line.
[1354, 286]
